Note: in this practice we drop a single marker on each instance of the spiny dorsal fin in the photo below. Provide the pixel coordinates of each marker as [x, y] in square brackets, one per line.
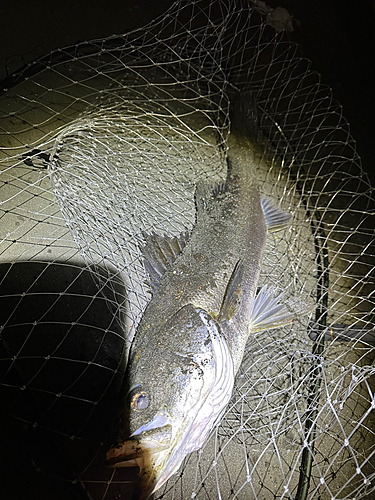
[204, 193]
[159, 252]
[233, 294]
[219, 189]
[276, 219]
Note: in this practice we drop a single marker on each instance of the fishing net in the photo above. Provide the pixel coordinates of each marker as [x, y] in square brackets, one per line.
[103, 143]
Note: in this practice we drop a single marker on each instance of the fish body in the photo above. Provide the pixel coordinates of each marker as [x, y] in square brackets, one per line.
[191, 339]
[230, 229]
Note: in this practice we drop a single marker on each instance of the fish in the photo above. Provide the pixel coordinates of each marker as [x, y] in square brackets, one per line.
[205, 304]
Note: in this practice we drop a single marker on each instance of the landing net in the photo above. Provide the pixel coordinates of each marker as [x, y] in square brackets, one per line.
[105, 141]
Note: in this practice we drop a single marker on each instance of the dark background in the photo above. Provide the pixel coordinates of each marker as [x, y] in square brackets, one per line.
[337, 35]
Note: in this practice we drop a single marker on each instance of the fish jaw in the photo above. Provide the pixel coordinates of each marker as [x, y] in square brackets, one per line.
[136, 450]
[152, 452]
[156, 456]
[145, 450]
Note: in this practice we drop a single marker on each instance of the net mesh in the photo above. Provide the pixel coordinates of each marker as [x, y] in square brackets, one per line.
[104, 142]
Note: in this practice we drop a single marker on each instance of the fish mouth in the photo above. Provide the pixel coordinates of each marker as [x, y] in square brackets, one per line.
[147, 450]
[139, 450]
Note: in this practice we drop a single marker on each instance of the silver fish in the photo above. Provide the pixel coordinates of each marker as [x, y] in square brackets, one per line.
[191, 339]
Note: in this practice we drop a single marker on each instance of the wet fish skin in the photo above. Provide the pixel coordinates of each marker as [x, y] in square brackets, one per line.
[191, 339]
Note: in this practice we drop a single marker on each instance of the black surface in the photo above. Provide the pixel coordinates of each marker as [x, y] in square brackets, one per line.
[59, 394]
[339, 38]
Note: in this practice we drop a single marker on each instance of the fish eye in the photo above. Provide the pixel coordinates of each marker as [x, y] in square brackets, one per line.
[139, 401]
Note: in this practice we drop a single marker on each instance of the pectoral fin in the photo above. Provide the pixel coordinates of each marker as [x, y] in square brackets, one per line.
[268, 312]
[233, 294]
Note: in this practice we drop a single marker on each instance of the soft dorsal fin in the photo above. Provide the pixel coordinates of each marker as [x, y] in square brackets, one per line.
[276, 219]
[233, 294]
[159, 252]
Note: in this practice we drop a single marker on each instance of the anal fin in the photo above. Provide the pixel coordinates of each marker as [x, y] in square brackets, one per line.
[276, 219]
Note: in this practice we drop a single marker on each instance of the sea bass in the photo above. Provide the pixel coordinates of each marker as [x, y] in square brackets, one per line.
[191, 339]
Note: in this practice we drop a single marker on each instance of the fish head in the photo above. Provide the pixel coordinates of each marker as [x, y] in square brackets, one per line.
[178, 388]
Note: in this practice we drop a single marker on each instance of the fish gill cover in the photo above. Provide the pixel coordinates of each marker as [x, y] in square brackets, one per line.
[104, 143]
